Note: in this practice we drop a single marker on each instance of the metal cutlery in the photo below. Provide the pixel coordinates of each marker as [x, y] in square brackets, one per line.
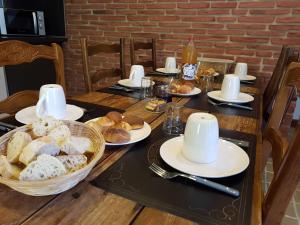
[247, 82]
[169, 175]
[241, 143]
[6, 126]
[115, 87]
[230, 104]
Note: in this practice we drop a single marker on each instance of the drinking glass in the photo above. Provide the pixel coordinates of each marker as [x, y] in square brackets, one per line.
[206, 83]
[163, 92]
[173, 121]
[146, 87]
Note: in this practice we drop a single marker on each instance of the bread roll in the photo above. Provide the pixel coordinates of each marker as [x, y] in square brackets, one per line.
[43, 126]
[77, 145]
[134, 121]
[45, 167]
[8, 170]
[123, 125]
[73, 162]
[114, 116]
[116, 135]
[105, 122]
[43, 145]
[95, 126]
[16, 144]
[184, 89]
[60, 134]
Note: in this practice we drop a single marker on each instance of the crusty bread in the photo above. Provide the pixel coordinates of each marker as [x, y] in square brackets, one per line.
[43, 145]
[45, 167]
[77, 145]
[182, 86]
[41, 127]
[116, 135]
[60, 134]
[123, 125]
[184, 89]
[8, 170]
[73, 162]
[134, 121]
[16, 144]
[114, 116]
[105, 122]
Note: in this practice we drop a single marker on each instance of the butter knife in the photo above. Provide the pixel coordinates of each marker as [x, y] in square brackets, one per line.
[230, 104]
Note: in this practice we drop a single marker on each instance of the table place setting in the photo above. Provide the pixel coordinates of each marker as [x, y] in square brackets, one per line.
[170, 69]
[197, 163]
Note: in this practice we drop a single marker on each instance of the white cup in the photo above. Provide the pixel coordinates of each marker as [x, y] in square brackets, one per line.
[241, 69]
[52, 102]
[170, 65]
[201, 138]
[136, 74]
[230, 87]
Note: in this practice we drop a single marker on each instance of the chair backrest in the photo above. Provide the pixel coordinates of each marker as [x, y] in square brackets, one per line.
[286, 176]
[18, 52]
[135, 46]
[287, 56]
[91, 50]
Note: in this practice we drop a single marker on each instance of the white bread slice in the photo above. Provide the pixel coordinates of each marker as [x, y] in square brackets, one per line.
[73, 162]
[77, 145]
[8, 170]
[60, 134]
[45, 167]
[41, 127]
[15, 145]
[43, 145]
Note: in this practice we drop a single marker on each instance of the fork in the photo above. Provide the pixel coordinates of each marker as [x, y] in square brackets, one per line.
[169, 175]
[230, 104]
[115, 87]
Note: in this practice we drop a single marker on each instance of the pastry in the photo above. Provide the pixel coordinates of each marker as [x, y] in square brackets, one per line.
[134, 121]
[77, 145]
[116, 135]
[73, 162]
[123, 125]
[155, 105]
[114, 116]
[16, 144]
[105, 122]
[45, 167]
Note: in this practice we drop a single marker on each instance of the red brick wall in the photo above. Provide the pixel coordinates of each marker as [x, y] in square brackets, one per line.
[245, 31]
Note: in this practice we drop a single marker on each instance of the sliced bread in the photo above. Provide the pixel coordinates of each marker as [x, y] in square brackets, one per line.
[60, 134]
[77, 145]
[16, 144]
[41, 127]
[73, 162]
[7, 169]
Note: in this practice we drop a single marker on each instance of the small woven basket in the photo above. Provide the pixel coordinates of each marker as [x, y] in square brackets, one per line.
[62, 183]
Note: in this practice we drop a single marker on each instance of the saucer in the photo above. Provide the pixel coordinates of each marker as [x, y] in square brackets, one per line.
[27, 115]
[168, 71]
[231, 160]
[242, 98]
[248, 78]
[128, 83]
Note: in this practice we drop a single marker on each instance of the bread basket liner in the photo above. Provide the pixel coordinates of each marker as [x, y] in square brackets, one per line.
[61, 183]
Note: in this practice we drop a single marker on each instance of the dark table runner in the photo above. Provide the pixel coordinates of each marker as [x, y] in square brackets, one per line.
[136, 93]
[130, 177]
[200, 102]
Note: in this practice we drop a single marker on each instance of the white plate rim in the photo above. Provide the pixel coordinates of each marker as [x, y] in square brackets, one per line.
[147, 129]
[247, 78]
[216, 96]
[163, 70]
[244, 158]
[195, 91]
[19, 116]
[125, 83]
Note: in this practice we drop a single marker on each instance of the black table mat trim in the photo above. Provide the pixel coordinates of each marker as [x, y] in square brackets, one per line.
[200, 102]
[130, 177]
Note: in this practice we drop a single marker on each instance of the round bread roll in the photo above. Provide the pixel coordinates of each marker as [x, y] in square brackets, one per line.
[114, 116]
[105, 122]
[116, 135]
[134, 121]
[123, 125]
[185, 89]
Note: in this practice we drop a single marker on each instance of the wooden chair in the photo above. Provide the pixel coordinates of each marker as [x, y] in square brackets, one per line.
[287, 55]
[135, 46]
[286, 166]
[18, 52]
[91, 50]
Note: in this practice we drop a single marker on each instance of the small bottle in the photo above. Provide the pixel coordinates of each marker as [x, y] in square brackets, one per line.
[189, 61]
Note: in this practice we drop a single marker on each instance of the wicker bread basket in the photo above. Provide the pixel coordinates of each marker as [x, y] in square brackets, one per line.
[62, 183]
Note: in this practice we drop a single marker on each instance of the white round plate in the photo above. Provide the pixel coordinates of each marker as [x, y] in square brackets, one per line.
[128, 83]
[231, 160]
[248, 78]
[242, 98]
[168, 71]
[135, 135]
[27, 115]
[195, 91]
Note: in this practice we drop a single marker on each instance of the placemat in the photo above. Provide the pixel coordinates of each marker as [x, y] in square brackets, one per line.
[131, 178]
[200, 102]
[135, 93]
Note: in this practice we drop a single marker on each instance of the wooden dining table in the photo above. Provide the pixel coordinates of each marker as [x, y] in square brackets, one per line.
[87, 204]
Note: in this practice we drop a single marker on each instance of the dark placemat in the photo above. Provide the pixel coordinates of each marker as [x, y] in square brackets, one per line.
[135, 93]
[130, 177]
[200, 102]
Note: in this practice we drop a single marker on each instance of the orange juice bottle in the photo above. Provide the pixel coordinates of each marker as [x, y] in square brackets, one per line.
[189, 61]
